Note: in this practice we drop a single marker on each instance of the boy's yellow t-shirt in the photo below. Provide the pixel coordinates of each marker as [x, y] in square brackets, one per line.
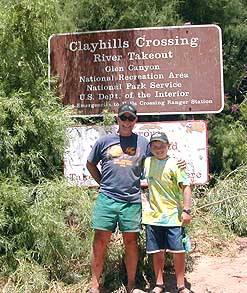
[164, 204]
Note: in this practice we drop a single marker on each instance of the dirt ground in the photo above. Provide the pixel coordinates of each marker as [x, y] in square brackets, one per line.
[208, 274]
[218, 274]
[221, 273]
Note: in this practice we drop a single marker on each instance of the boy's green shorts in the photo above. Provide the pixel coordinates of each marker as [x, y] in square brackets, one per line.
[108, 213]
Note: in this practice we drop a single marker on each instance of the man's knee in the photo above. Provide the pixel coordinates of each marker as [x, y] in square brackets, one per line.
[101, 239]
[130, 241]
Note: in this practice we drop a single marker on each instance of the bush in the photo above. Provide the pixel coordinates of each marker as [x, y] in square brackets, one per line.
[227, 201]
[46, 225]
[32, 135]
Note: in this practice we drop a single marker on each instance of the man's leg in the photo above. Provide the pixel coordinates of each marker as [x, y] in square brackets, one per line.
[101, 239]
[131, 257]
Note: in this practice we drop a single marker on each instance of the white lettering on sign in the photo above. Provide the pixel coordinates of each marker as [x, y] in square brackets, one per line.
[103, 87]
[135, 86]
[147, 56]
[100, 45]
[171, 94]
[144, 42]
[178, 75]
[114, 68]
[143, 67]
[96, 78]
[140, 76]
[106, 58]
[120, 44]
[155, 85]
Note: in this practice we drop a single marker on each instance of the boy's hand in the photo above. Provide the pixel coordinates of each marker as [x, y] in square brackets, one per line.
[186, 218]
[181, 163]
[144, 197]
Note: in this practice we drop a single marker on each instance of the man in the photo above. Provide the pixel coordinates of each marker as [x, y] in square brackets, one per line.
[119, 202]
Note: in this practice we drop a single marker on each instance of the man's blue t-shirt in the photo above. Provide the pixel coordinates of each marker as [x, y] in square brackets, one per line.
[122, 160]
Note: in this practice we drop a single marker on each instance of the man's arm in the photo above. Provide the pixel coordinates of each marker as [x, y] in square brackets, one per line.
[94, 171]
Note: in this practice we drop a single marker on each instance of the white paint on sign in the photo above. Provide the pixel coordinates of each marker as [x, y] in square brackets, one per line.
[188, 141]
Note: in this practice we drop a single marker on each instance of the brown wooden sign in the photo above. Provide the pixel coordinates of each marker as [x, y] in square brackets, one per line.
[164, 70]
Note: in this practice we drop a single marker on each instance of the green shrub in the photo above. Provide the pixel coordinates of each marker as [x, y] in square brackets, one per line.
[46, 225]
[16, 232]
[32, 135]
[227, 201]
[61, 218]
[29, 277]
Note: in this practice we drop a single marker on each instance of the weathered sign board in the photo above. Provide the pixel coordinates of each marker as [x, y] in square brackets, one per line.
[188, 141]
[163, 70]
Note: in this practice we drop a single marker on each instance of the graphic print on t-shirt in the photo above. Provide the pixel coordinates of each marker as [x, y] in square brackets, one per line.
[114, 152]
[130, 157]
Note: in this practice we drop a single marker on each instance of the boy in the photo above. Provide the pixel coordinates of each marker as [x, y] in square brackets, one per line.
[166, 210]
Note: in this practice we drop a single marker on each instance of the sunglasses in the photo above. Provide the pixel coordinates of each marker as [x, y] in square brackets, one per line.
[129, 118]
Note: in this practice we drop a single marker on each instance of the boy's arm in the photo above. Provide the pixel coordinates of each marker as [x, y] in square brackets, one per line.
[186, 216]
[181, 163]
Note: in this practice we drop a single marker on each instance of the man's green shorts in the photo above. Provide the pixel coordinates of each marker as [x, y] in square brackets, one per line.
[108, 213]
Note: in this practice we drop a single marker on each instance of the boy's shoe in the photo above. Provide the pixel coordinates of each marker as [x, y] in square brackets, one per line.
[93, 291]
[135, 290]
[160, 286]
[183, 288]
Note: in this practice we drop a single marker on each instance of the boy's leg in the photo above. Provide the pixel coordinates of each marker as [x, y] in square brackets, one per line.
[158, 264]
[156, 245]
[131, 257]
[179, 266]
[176, 247]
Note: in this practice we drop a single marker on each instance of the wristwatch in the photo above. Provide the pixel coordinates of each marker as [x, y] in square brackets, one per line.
[187, 211]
